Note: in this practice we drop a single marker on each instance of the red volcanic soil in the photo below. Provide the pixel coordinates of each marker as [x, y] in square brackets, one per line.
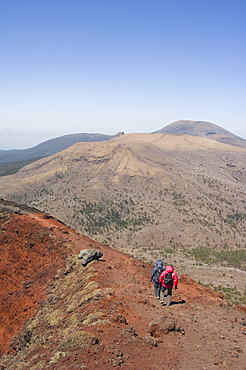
[200, 330]
[29, 262]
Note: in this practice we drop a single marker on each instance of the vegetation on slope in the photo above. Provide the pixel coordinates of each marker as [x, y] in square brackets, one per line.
[13, 167]
[147, 195]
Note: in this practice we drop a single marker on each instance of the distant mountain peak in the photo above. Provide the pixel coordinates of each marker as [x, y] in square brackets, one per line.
[203, 129]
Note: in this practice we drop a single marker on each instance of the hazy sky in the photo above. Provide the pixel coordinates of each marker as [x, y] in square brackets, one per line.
[122, 65]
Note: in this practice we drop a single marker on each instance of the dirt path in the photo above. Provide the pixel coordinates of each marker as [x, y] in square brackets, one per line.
[200, 330]
[213, 332]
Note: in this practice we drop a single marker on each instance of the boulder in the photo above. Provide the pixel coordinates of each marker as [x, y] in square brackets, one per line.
[88, 255]
[164, 326]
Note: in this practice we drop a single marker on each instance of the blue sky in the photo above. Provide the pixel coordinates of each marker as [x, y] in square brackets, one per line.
[122, 65]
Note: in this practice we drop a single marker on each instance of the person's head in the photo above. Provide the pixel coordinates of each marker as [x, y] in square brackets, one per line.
[169, 268]
[159, 263]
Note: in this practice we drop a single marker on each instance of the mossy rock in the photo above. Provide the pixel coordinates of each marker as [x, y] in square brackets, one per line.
[33, 324]
[57, 356]
[74, 319]
[77, 340]
[38, 366]
[92, 318]
[78, 301]
[55, 317]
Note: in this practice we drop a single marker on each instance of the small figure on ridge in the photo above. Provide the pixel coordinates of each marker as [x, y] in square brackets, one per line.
[168, 280]
[156, 273]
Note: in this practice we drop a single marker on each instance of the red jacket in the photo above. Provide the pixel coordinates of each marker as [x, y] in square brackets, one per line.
[169, 270]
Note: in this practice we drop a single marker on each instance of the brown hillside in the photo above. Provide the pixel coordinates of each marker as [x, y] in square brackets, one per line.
[57, 314]
[148, 195]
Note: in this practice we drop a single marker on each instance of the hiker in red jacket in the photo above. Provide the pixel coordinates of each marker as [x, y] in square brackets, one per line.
[168, 280]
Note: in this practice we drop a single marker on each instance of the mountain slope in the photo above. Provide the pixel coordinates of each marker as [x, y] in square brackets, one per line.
[146, 194]
[103, 315]
[203, 129]
[49, 147]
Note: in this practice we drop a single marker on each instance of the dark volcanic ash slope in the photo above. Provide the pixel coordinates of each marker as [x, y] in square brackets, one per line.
[65, 316]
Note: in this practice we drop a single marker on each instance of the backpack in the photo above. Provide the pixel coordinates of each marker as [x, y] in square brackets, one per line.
[158, 272]
[168, 279]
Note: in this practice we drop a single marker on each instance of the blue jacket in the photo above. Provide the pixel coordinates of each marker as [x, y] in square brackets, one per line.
[159, 264]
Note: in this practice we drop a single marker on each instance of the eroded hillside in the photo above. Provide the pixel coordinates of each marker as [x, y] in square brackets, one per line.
[62, 315]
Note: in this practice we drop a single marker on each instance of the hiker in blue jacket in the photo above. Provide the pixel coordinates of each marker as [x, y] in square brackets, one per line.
[155, 275]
